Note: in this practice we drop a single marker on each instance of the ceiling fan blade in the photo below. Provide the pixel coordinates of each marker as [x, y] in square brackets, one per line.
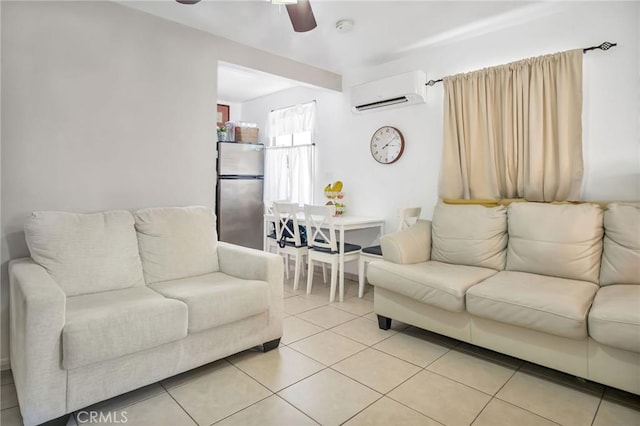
[301, 16]
[187, 1]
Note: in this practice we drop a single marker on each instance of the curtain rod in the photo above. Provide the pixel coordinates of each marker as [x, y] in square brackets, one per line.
[291, 106]
[604, 46]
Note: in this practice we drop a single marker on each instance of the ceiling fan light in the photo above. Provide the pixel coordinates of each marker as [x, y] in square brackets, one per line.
[284, 1]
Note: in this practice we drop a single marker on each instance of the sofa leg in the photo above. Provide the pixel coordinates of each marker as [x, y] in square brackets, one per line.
[267, 346]
[384, 323]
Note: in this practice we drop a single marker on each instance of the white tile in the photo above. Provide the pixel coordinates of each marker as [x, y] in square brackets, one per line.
[278, 368]
[555, 401]
[298, 304]
[11, 417]
[474, 371]
[376, 369]
[364, 331]
[217, 394]
[355, 305]
[372, 316]
[502, 413]
[368, 291]
[273, 411]
[327, 347]
[386, 412]
[8, 396]
[319, 288]
[416, 350]
[193, 374]
[326, 316]
[440, 398]
[329, 397]
[614, 413]
[287, 294]
[122, 401]
[296, 329]
[160, 410]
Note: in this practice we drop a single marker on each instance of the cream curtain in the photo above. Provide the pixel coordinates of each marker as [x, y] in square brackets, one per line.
[515, 131]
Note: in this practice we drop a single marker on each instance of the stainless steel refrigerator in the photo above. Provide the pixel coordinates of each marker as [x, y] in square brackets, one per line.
[239, 191]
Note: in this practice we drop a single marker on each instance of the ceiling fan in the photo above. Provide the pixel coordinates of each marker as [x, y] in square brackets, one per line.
[300, 13]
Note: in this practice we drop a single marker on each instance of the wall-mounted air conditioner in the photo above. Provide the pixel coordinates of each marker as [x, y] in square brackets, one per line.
[391, 92]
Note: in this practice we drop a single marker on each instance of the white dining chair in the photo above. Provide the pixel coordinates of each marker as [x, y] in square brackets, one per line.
[286, 222]
[407, 216]
[271, 245]
[324, 245]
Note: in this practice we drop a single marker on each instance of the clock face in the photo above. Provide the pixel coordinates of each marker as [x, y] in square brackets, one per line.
[387, 145]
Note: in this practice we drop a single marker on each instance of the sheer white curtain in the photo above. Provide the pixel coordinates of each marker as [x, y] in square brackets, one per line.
[289, 159]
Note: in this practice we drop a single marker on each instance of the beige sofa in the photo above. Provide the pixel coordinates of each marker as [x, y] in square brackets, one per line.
[113, 301]
[557, 285]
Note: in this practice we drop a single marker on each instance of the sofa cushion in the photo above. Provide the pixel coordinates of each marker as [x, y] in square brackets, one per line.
[621, 251]
[434, 283]
[86, 253]
[469, 235]
[217, 299]
[552, 305]
[110, 324]
[614, 319]
[558, 240]
[177, 242]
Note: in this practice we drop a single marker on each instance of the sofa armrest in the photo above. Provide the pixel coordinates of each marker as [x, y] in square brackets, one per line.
[412, 245]
[250, 264]
[37, 317]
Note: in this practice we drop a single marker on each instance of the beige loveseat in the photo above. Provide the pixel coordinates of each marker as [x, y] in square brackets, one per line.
[557, 285]
[113, 301]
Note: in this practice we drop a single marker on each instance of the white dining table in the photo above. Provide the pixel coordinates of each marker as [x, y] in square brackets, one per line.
[342, 224]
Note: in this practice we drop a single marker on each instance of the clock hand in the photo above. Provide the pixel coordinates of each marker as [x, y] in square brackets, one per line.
[388, 143]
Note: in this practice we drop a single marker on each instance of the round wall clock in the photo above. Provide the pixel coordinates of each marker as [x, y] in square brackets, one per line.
[387, 145]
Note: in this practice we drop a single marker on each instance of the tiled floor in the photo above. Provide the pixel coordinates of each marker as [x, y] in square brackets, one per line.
[335, 366]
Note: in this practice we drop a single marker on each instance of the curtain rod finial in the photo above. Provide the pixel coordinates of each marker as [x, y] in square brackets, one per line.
[604, 46]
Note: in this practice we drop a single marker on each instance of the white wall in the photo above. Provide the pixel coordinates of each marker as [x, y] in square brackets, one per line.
[105, 107]
[610, 119]
[235, 109]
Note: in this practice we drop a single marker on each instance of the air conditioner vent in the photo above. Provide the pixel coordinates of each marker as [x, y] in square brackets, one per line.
[380, 104]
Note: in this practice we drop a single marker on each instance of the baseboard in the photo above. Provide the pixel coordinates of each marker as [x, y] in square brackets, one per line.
[4, 364]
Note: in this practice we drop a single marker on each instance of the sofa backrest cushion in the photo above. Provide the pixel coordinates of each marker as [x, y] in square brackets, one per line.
[86, 253]
[560, 240]
[177, 242]
[469, 235]
[621, 251]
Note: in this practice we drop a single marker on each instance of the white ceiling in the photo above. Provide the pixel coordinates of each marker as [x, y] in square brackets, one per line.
[383, 31]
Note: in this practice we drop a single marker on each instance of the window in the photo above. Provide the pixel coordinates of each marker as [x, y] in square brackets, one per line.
[289, 161]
